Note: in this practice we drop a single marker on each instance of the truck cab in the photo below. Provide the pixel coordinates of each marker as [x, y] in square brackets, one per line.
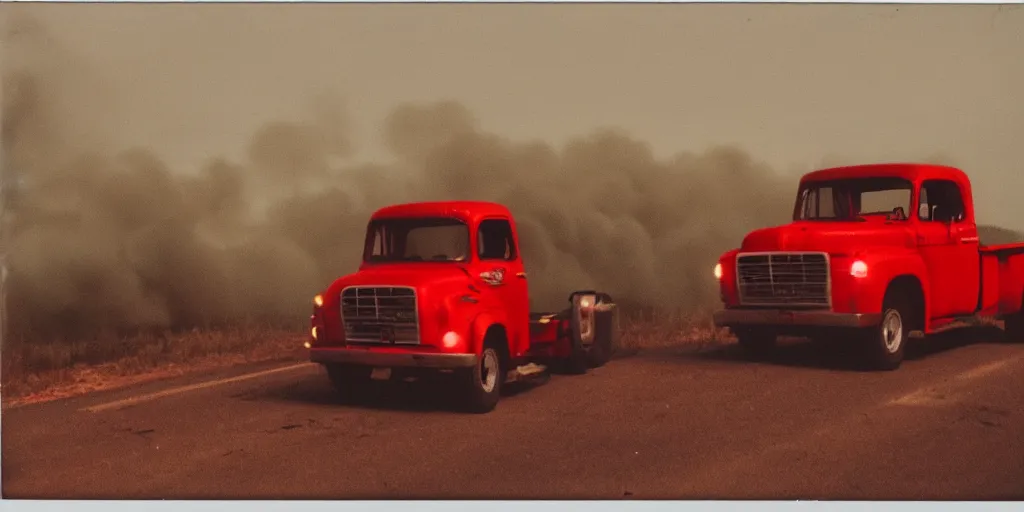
[875, 252]
[442, 288]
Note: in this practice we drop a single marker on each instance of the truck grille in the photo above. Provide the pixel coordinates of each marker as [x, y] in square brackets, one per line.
[380, 314]
[783, 278]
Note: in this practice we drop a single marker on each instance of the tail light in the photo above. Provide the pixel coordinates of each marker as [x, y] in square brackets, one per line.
[585, 314]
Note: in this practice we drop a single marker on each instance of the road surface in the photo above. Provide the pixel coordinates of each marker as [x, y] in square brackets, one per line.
[671, 424]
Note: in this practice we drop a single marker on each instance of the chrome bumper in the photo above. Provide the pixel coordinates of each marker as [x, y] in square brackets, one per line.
[366, 357]
[796, 318]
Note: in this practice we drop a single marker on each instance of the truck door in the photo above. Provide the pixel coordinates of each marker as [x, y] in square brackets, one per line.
[948, 243]
[501, 262]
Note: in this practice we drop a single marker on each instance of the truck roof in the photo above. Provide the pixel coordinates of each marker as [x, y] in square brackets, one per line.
[909, 171]
[468, 211]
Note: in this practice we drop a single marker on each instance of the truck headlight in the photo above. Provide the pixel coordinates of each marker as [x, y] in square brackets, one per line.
[451, 339]
[718, 271]
[859, 269]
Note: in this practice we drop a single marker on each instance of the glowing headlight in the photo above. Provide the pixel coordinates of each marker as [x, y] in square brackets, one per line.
[318, 300]
[859, 269]
[718, 271]
[451, 339]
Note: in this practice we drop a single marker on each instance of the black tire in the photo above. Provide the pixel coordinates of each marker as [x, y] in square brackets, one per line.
[578, 361]
[1014, 328]
[886, 343]
[757, 344]
[596, 355]
[604, 347]
[351, 382]
[482, 384]
[600, 353]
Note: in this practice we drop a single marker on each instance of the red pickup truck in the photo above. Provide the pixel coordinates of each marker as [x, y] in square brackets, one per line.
[442, 288]
[878, 252]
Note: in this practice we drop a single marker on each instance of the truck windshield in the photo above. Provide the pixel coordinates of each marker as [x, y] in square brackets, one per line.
[855, 199]
[417, 239]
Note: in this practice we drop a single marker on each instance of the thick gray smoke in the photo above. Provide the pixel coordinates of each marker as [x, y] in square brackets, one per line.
[101, 238]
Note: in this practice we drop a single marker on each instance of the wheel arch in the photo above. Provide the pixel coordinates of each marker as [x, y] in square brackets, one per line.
[911, 288]
[488, 329]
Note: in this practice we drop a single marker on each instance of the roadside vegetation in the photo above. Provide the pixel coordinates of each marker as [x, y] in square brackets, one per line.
[34, 370]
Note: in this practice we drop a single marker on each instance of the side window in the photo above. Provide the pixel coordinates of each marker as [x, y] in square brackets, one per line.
[941, 201]
[818, 203]
[494, 240]
[924, 211]
[377, 249]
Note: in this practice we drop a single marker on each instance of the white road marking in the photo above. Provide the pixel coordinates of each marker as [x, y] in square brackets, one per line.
[947, 394]
[192, 387]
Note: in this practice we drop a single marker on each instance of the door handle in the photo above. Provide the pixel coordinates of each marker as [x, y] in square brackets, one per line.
[968, 239]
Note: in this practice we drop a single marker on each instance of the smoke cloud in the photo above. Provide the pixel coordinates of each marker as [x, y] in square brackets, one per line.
[101, 237]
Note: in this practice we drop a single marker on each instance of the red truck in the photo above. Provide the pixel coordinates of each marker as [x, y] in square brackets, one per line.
[874, 254]
[442, 289]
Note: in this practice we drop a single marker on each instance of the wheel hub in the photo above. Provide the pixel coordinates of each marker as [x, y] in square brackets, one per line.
[489, 369]
[892, 330]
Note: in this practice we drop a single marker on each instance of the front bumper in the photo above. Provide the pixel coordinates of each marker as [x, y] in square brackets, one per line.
[796, 318]
[389, 359]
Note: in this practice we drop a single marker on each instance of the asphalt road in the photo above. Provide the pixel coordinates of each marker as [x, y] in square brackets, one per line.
[670, 424]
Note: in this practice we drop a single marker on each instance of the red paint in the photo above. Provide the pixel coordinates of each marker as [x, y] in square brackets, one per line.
[957, 276]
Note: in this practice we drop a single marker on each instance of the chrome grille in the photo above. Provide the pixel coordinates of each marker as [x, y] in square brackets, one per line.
[380, 314]
[783, 278]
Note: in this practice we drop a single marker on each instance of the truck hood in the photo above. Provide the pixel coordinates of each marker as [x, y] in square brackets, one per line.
[830, 237]
[416, 275]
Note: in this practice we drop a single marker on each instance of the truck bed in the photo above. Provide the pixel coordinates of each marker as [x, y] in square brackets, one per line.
[545, 326]
[1002, 279]
[1003, 249]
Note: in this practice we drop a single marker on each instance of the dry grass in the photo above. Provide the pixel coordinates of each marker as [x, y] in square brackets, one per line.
[34, 371]
[659, 329]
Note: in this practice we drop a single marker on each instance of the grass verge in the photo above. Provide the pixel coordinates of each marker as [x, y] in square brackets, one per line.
[36, 372]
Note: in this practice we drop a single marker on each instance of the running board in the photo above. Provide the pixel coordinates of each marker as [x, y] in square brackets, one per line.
[960, 322]
[525, 372]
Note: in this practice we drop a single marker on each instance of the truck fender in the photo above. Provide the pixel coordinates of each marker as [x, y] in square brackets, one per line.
[482, 324]
[889, 270]
[886, 269]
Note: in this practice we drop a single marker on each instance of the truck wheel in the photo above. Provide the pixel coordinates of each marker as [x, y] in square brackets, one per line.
[1014, 328]
[578, 361]
[482, 383]
[576, 364]
[886, 342]
[350, 381]
[600, 352]
[755, 343]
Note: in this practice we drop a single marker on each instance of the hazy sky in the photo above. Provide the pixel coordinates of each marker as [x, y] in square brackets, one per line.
[791, 84]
